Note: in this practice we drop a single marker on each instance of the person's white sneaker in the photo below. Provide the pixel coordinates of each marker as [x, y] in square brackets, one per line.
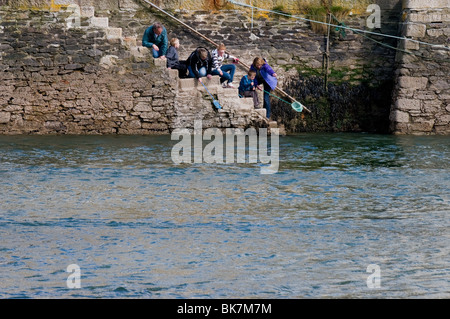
[230, 86]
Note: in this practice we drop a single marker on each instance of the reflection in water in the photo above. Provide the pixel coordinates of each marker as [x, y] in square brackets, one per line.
[140, 226]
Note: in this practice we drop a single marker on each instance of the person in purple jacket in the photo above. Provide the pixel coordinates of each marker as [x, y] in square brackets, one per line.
[266, 76]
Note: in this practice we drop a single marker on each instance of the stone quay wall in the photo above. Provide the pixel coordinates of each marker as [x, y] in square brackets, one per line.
[77, 81]
[64, 76]
[64, 71]
[421, 104]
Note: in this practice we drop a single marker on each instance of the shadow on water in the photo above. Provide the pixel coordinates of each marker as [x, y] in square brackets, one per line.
[341, 151]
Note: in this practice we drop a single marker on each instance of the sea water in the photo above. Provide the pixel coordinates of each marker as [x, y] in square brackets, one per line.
[345, 216]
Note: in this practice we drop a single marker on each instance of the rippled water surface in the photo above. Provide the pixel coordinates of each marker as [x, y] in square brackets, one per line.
[140, 226]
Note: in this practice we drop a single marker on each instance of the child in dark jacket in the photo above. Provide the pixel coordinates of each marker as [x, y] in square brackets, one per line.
[173, 61]
[199, 64]
[247, 87]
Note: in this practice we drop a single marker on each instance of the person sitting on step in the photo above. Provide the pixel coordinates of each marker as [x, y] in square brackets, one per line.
[173, 61]
[247, 87]
[199, 64]
[155, 38]
[226, 72]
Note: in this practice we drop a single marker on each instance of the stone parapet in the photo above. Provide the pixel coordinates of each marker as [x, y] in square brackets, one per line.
[426, 4]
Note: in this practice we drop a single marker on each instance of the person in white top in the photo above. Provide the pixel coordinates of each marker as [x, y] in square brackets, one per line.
[226, 72]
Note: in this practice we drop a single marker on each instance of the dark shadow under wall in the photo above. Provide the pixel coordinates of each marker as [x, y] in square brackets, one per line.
[344, 108]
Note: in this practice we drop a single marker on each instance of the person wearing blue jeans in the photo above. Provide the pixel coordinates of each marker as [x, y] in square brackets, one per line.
[226, 72]
[199, 64]
[201, 72]
[267, 76]
[155, 38]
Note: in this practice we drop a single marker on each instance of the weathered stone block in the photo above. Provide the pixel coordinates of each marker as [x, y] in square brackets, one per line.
[150, 115]
[73, 66]
[262, 112]
[130, 42]
[273, 124]
[442, 129]
[426, 126]
[412, 82]
[187, 84]
[443, 119]
[247, 102]
[425, 18]
[160, 62]
[108, 61]
[99, 22]
[408, 104]
[409, 45]
[54, 125]
[425, 95]
[143, 107]
[87, 11]
[399, 117]
[134, 124]
[426, 4]
[5, 117]
[173, 74]
[63, 2]
[441, 84]
[159, 102]
[113, 33]
[430, 108]
[155, 126]
[435, 32]
[415, 30]
[128, 5]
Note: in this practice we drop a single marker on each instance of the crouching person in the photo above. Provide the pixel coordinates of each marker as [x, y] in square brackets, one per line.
[155, 38]
[199, 64]
[247, 87]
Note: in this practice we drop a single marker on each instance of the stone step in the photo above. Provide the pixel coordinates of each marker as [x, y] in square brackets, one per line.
[190, 84]
[173, 74]
[228, 92]
[262, 112]
[281, 130]
[247, 101]
[273, 124]
[160, 63]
